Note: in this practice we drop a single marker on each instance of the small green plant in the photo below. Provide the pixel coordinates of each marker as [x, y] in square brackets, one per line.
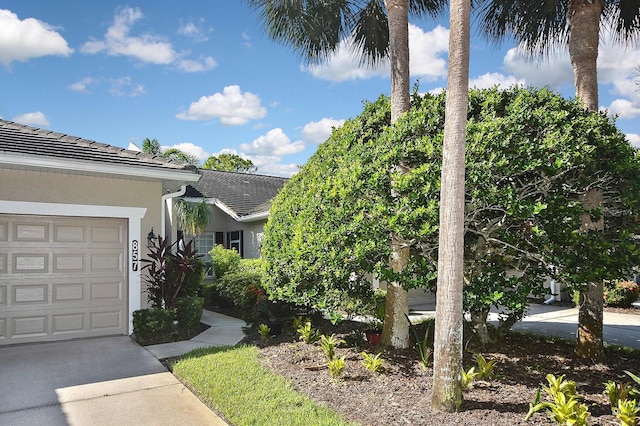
[468, 377]
[616, 392]
[329, 346]
[373, 363]
[566, 408]
[308, 334]
[265, 332]
[336, 367]
[627, 412]
[485, 369]
[620, 293]
[634, 391]
[335, 318]
[297, 322]
[421, 346]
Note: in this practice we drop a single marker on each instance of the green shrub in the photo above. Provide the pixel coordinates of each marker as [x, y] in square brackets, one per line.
[243, 287]
[223, 260]
[153, 325]
[188, 313]
[621, 294]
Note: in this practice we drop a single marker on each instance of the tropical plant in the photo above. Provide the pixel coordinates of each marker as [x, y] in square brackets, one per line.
[229, 163]
[178, 156]
[308, 334]
[485, 368]
[422, 345]
[565, 408]
[616, 392]
[192, 217]
[328, 345]
[151, 146]
[627, 411]
[170, 276]
[265, 331]
[336, 367]
[372, 362]
[468, 377]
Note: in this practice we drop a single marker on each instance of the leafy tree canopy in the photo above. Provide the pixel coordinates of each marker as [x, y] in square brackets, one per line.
[230, 163]
[531, 156]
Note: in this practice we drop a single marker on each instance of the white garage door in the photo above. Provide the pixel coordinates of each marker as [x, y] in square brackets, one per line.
[62, 278]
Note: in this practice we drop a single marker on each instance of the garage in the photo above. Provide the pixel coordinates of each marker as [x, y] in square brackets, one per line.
[74, 219]
[62, 277]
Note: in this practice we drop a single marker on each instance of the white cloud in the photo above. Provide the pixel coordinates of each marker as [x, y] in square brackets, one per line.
[146, 47]
[278, 169]
[428, 52]
[189, 148]
[231, 107]
[197, 65]
[634, 139]
[82, 85]
[489, 80]
[118, 42]
[21, 40]
[124, 87]
[427, 49]
[274, 143]
[319, 131]
[624, 108]
[194, 30]
[32, 118]
[553, 70]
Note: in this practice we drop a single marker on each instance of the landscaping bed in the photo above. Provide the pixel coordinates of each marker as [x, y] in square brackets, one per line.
[401, 394]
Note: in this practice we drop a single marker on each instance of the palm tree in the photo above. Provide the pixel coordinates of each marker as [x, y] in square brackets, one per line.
[446, 394]
[316, 29]
[541, 26]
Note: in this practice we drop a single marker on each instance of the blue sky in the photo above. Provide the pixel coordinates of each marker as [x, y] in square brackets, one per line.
[204, 77]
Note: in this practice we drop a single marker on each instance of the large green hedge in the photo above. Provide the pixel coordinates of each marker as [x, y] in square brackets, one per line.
[531, 155]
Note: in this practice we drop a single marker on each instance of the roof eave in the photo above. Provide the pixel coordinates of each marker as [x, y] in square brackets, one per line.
[98, 168]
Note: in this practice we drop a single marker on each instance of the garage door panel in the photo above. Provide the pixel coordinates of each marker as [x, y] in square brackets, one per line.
[107, 234]
[30, 294]
[30, 232]
[32, 326]
[71, 284]
[30, 263]
[112, 262]
[68, 293]
[69, 234]
[66, 263]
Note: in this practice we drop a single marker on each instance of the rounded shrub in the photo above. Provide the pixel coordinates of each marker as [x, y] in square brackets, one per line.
[621, 294]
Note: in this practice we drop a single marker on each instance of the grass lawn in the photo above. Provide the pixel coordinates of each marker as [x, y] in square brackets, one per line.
[233, 382]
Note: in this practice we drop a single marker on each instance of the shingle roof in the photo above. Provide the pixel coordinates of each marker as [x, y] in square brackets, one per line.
[244, 193]
[22, 140]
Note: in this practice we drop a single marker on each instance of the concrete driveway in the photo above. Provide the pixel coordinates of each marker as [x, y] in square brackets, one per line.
[102, 381]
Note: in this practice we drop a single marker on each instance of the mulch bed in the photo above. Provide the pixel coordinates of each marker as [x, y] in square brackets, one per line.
[401, 395]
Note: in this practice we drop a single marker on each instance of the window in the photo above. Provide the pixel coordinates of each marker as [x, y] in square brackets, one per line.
[234, 240]
[203, 244]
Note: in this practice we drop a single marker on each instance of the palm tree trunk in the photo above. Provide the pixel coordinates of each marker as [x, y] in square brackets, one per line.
[584, 23]
[447, 356]
[396, 328]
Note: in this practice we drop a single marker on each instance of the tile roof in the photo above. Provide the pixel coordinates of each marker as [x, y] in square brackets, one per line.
[22, 140]
[244, 193]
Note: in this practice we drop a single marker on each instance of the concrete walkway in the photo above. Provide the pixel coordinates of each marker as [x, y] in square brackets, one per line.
[223, 331]
[561, 321]
[103, 381]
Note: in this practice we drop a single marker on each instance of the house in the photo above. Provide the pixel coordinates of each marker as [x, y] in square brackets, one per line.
[239, 204]
[74, 220]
